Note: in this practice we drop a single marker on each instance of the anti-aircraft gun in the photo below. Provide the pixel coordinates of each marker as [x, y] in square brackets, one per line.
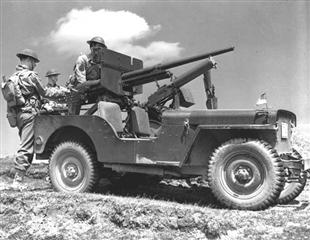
[122, 78]
[246, 156]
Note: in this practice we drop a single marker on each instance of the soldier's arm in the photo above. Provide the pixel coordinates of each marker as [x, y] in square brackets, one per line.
[43, 91]
[80, 69]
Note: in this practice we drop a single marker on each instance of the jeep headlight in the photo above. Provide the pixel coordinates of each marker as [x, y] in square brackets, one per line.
[284, 130]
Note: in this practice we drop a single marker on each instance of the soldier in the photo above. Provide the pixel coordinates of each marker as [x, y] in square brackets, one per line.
[52, 78]
[51, 105]
[32, 90]
[86, 69]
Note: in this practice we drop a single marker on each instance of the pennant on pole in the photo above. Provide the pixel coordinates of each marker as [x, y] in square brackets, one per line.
[262, 100]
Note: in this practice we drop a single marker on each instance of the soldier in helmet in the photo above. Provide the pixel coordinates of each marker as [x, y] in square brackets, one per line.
[86, 69]
[52, 78]
[52, 105]
[32, 90]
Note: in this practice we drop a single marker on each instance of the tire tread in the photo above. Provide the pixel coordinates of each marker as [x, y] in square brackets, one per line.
[277, 165]
[89, 156]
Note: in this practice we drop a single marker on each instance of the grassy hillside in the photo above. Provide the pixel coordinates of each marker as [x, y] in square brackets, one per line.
[49, 215]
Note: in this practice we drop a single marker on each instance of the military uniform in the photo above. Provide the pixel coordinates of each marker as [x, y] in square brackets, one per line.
[60, 103]
[32, 90]
[56, 89]
[56, 104]
[84, 69]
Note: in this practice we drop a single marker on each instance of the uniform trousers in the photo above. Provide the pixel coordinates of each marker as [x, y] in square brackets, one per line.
[25, 151]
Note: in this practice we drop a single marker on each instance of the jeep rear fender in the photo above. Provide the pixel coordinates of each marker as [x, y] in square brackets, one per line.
[91, 130]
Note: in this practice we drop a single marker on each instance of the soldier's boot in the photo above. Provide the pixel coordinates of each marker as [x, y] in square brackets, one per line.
[13, 171]
[18, 179]
[19, 176]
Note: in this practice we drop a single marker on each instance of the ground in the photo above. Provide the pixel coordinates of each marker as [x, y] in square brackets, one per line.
[159, 211]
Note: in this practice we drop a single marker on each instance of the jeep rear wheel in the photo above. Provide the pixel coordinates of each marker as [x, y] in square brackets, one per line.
[246, 174]
[72, 168]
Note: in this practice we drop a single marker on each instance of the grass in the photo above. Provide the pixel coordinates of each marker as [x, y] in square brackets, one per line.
[49, 215]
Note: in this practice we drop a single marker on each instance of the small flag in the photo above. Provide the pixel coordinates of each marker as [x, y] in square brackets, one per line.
[261, 100]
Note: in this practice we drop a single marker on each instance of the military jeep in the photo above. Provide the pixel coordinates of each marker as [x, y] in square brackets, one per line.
[246, 156]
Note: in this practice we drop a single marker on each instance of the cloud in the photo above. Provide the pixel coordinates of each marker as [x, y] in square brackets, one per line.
[121, 30]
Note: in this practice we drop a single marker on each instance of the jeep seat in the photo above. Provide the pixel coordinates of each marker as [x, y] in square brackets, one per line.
[111, 113]
[140, 122]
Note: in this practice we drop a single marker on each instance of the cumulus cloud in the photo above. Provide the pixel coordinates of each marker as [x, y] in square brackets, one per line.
[121, 30]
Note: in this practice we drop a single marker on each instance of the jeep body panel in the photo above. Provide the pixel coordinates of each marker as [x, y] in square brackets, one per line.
[50, 130]
[177, 144]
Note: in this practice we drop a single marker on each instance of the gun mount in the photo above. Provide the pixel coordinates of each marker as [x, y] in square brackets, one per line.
[122, 76]
[167, 92]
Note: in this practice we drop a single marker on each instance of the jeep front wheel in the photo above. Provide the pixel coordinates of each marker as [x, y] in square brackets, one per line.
[246, 174]
[72, 168]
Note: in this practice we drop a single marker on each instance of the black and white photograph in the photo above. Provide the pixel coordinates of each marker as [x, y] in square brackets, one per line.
[136, 119]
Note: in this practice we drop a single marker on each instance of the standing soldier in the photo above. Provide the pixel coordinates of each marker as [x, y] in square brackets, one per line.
[32, 90]
[60, 104]
[86, 69]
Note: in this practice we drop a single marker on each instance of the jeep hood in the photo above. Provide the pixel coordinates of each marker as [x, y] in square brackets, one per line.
[225, 117]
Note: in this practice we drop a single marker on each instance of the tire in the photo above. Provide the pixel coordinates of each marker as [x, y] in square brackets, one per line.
[72, 168]
[293, 189]
[246, 174]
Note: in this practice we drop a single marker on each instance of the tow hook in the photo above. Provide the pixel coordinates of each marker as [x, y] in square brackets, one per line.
[287, 172]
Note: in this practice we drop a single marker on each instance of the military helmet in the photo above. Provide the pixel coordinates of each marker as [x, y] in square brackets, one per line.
[28, 53]
[52, 72]
[97, 40]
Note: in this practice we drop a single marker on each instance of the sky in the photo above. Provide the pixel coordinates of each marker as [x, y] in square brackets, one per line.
[271, 40]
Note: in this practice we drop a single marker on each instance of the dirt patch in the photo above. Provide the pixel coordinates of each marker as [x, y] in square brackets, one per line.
[50, 215]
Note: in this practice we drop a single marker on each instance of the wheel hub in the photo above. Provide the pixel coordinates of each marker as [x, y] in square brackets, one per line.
[71, 171]
[243, 174]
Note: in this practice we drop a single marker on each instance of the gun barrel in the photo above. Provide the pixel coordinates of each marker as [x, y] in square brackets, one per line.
[146, 78]
[175, 63]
